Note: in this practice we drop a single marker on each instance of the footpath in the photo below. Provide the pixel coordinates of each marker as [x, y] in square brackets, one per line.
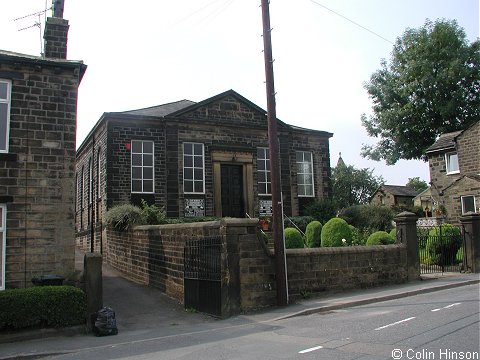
[144, 313]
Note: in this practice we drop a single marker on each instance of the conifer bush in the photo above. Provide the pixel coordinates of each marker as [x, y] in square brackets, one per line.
[293, 239]
[380, 238]
[334, 231]
[313, 234]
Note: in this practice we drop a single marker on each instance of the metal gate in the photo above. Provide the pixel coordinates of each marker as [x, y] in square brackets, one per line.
[441, 249]
[202, 275]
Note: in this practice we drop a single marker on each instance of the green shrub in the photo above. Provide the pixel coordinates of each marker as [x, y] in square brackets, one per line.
[300, 221]
[151, 214]
[459, 255]
[334, 231]
[380, 238]
[313, 233]
[443, 243]
[393, 233]
[320, 210]
[369, 218]
[293, 239]
[359, 237]
[42, 306]
[123, 217]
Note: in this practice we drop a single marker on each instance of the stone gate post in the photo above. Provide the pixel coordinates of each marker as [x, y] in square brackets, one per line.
[407, 234]
[471, 230]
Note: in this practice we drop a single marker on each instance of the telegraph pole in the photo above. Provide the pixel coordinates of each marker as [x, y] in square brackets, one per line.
[280, 266]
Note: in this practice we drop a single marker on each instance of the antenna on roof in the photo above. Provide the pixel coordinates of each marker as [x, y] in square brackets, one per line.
[38, 23]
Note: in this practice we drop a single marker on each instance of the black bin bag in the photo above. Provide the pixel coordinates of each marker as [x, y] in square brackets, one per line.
[105, 323]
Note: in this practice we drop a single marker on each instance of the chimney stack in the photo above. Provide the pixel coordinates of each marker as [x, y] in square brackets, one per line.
[56, 33]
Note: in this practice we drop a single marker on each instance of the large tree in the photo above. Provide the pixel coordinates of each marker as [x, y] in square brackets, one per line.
[431, 86]
[417, 184]
[353, 186]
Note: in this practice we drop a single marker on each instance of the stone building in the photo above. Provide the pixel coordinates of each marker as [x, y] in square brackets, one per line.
[454, 163]
[208, 158]
[393, 196]
[38, 105]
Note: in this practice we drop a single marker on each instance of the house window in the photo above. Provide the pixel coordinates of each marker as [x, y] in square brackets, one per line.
[5, 86]
[142, 166]
[304, 174]
[468, 204]
[193, 168]
[3, 220]
[263, 169]
[451, 160]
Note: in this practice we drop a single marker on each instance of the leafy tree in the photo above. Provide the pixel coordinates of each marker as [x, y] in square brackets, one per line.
[417, 184]
[353, 186]
[431, 86]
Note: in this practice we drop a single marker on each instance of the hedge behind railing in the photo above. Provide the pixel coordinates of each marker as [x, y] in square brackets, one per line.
[42, 306]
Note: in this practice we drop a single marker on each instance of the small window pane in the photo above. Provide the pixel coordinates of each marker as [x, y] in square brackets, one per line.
[147, 160]
[468, 204]
[188, 174]
[136, 146]
[136, 173]
[261, 165]
[198, 161]
[187, 149]
[262, 177]
[198, 174]
[187, 161]
[148, 147]
[3, 90]
[148, 173]
[188, 185]
[137, 185]
[198, 149]
[147, 185]
[136, 160]
[198, 186]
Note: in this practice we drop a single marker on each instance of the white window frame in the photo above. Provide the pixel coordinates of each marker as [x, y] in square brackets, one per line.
[193, 167]
[463, 204]
[266, 170]
[448, 162]
[300, 165]
[142, 166]
[3, 242]
[7, 101]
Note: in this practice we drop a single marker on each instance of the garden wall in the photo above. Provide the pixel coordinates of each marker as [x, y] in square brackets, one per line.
[153, 256]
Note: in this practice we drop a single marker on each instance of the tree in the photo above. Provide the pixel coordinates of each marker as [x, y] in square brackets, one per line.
[353, 186]
[430, 87]
[417, 184]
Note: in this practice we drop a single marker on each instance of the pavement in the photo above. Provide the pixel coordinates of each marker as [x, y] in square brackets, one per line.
[144, 313]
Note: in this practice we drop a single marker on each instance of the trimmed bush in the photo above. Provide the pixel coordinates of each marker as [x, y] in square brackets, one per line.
[334, 231]
[152, 214]
[380, 238]
[124, 217]
[293, 239]
[369, 217]
[313, 234]
[393, 233]
[42, 306]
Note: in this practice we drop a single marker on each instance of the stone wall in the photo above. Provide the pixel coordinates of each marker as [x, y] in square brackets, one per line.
[153, 255]
[468, 148]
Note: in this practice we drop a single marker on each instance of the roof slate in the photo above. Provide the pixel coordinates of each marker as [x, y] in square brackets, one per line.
[161, 110]
[444, 142]
[400, 190]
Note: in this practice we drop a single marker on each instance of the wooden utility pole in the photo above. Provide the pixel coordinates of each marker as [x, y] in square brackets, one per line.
[277, 212]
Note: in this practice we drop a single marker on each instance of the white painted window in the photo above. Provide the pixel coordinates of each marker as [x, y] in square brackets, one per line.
[305, 174]
[3, 230]
[5, 91]
[468, 204]
[193, 168]
[263, 171]
[142, 166]
[451, 161]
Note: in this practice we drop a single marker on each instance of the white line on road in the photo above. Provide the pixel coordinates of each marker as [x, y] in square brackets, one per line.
[395, 323]
[451, 305]
[310, 350]
[434, 310]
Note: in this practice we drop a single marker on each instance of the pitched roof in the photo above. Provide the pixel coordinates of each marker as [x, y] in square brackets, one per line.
[399, 190]
[161, 110]
[444, 142]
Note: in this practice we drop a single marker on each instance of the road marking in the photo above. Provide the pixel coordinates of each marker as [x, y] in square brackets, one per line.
[310, 350]
[395, 323]
[434, 310]
[451, 305]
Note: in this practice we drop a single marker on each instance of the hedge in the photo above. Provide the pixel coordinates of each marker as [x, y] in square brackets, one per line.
[42, 306]
[293, 239]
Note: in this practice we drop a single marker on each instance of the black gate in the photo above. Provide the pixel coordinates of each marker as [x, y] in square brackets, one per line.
[202, 275]
[441, 249]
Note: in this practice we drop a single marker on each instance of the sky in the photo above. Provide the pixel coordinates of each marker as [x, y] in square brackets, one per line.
[151, 52]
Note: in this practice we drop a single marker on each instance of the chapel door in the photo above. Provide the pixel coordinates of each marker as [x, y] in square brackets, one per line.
[232, 191]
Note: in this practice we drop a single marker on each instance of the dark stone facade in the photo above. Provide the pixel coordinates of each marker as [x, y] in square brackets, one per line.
[231, 129]
[38, 171]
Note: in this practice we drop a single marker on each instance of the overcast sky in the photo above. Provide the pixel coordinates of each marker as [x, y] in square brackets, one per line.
[151, 52]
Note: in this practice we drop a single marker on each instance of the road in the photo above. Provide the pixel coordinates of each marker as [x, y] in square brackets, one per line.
[439, 325]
